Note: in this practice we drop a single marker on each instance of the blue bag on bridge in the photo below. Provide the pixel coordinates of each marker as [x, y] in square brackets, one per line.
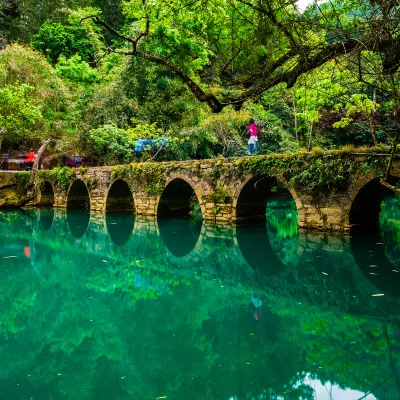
[150, 144]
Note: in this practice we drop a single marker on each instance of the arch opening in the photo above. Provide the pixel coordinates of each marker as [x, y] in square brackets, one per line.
[47, 195]
[366, 206]
[78, 196]
[255, 196]
[119, 197]
[178, 199]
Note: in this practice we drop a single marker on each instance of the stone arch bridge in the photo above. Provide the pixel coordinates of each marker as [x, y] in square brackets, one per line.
[226, 191]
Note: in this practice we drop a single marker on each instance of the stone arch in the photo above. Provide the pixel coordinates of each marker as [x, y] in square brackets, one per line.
[47, 196]
[78, 196]
[119, 197]
[176, 197]
[250, 198]
[366, 202]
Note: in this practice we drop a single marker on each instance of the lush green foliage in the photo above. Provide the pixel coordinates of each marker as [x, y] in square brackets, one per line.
[55, 39]
[18, 112]
[97, 102]
[64, 176]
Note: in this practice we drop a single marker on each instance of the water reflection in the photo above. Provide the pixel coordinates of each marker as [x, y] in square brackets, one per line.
[106, 321]
[282, 219]
[256, 249]
[78, 222]
[376, 251]
[180, 234]
[120, 226]
[270, 248]
[370, 255]
[46, 218]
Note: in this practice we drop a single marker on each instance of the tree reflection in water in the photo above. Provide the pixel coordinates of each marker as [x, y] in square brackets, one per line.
[132, 321]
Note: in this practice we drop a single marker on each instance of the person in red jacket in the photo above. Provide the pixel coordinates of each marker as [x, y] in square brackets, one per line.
[30, 158]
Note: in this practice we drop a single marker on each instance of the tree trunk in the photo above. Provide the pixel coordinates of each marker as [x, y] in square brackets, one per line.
[372, 127]
[295, 117]
[36, 161]
[31, 185]
[1, 136]
[372, 120]
[310, 134]
[384, 181]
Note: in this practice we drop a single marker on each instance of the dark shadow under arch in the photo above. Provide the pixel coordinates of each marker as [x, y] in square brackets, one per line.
[180, 235]
[78, 196]
[176, 199]
[366, 206]
[119, 197]
[47, 195]
[252, 201]
[256, 249]
[120, 227]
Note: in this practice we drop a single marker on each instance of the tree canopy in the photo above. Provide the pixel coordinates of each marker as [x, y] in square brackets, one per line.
[324, 76]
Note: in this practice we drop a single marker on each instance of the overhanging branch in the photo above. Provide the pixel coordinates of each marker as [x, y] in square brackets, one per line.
[303, 59]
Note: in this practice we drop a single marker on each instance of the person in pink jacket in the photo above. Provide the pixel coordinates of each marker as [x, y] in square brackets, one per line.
[253, 139]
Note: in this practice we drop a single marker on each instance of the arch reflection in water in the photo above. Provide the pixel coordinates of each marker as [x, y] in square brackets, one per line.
[78, 222]
[256, 249]
[120, 226]
[374, 263]
[269, 247]
[379, 263]
[180, 235]
[46, 218]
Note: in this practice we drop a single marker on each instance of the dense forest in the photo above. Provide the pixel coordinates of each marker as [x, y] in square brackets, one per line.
[96, 75]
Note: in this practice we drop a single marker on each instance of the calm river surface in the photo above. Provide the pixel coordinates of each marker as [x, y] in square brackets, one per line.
[123, 308]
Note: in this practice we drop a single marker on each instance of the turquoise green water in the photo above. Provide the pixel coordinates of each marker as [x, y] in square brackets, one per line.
[124, 308]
